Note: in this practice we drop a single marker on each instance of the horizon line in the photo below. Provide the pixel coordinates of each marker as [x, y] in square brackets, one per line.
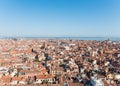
[59, 36]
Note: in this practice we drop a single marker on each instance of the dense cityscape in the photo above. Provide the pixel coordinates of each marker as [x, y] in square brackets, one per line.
[59, 42]
[62, 62]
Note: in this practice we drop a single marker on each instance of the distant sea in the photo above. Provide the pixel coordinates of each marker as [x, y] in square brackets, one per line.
[70, 38]
[91, 38]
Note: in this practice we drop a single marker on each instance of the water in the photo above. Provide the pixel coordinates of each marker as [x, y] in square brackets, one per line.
[71, 38]
[97, 38]
[83, 38]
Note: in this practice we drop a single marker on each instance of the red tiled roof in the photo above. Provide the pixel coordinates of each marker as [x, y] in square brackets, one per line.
[44, 76]
[16, 78]
[6, 79]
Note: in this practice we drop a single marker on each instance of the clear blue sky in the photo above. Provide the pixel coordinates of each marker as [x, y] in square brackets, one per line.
[60, 17]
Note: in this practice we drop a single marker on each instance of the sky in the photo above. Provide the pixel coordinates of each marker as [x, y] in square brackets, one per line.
[60, 18]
